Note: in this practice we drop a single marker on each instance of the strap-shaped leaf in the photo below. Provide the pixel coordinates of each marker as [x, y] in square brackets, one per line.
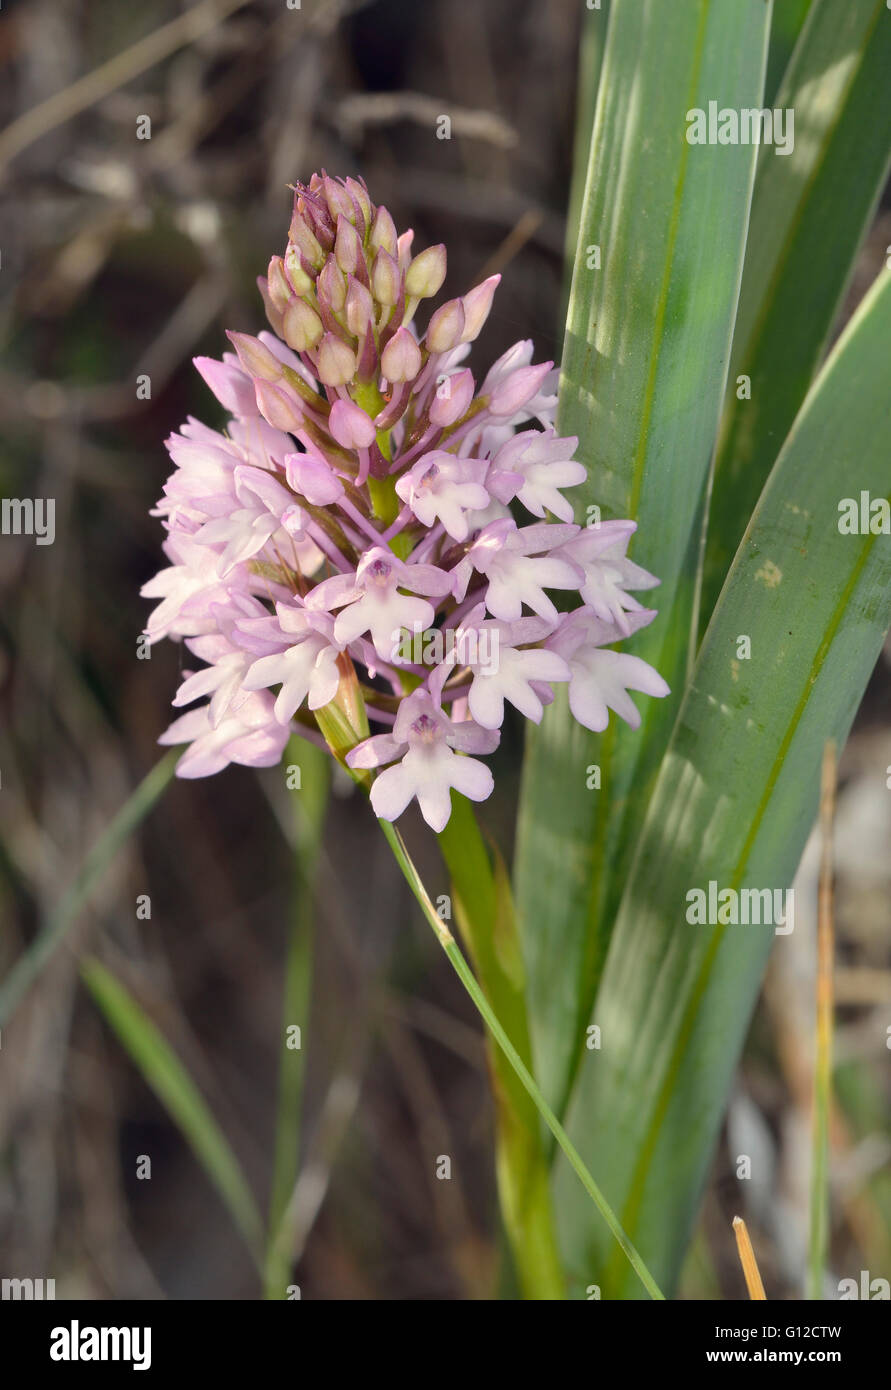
[643, 374]
[788, 21]
[592, 42]
[809, 214]
[735, 800]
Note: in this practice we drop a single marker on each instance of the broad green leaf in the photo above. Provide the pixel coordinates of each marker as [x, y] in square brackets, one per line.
[785, 30]
[810, 211]
[734, 803]
[176, 1090]
[591, 45]
[643, 375]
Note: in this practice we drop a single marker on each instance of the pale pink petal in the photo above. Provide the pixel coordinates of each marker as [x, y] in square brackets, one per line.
[472, 778]
[435, 802]
[486, 702]
[468, 737]
[376, 751]
[391, 791]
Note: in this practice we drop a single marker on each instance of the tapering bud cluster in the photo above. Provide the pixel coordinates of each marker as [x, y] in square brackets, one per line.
[374, 537]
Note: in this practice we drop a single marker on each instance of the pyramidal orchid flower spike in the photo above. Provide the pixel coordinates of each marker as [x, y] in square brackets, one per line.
[371, 541]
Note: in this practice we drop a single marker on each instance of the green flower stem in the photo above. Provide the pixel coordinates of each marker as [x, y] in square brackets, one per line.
[384, 499]
[519, 1067]
[386, 503]
[382, 491]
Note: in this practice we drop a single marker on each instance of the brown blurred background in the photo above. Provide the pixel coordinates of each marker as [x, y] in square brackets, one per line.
[123, 257]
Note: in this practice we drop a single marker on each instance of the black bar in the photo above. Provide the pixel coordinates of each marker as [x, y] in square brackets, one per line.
[233, 1338]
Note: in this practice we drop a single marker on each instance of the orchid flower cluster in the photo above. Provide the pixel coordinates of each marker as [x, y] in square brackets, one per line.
[346, 550]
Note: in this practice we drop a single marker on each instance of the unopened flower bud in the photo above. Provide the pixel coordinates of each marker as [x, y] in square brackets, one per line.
[279, 290]
[386, 278]
[230, 386]
[350, 426]
[452, 399]
[314, 212]
[403, 249]
[446, 327]
[256, 359]
[360, 195]
[278, 407]
[359, 307]
[347, 246]
[331, 287]
[426, 273]
[306, 243]
[301, 326]
[340, 203]
[313, 479]
[383, 232]
[336, 364]
[513, 393]
[301, 283]
[273, 315]
[401, 358]
[477, 303]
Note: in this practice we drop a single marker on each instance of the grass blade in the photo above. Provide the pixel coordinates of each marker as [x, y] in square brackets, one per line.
[750, 1269]
[111, 841]
[819, 1233]
[174, 1087]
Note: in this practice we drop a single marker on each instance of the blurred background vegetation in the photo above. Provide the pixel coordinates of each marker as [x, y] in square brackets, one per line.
[124, 257]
